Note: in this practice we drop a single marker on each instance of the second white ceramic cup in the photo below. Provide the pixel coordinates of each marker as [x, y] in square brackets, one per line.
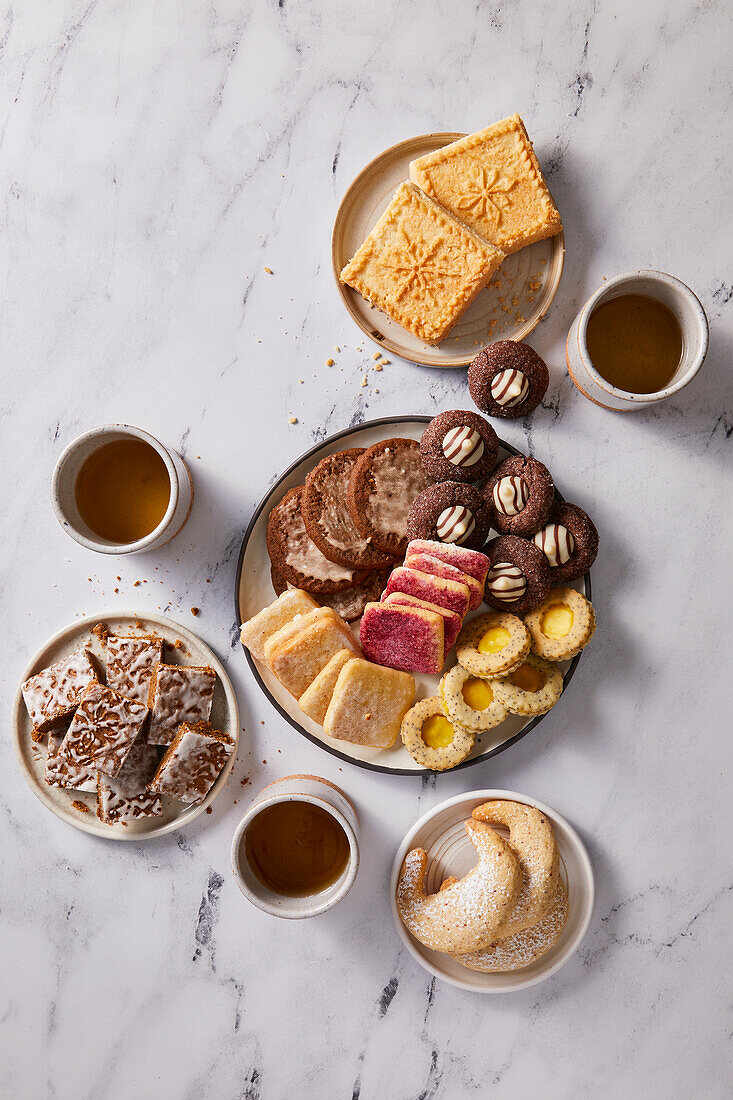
[63, 490]
[298, 788]
[678, 298]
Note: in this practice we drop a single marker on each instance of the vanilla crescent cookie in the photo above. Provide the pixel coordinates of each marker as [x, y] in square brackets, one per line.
[523, 948]
[493, 644]
[434, 740]
[467, 915]
[533, 688]
[561, 626]
[533, 842]
[469, 701]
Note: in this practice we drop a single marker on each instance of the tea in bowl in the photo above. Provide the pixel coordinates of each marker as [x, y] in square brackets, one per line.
[639, 339]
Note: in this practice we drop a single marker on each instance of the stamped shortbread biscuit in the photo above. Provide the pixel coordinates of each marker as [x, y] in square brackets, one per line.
[493, 182]
[421, 265]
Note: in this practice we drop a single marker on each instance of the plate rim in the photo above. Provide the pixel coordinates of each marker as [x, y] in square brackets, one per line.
[491, 794]
[452, 362]
[416, 772]
[92, 827]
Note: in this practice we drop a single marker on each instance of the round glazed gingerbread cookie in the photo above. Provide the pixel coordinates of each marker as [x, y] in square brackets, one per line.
[569, 541]
[519, 495]
[327, 518]
[508, 379]
[459, 446]
[385, 481]
[519, 577]
[296, 556]
[450, 512]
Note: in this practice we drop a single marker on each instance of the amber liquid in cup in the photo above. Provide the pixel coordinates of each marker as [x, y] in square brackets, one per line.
[635, 343]
[123, 491]
[296, 848]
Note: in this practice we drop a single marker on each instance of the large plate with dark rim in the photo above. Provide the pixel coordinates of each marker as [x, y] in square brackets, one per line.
[253, 591]
[513, 303]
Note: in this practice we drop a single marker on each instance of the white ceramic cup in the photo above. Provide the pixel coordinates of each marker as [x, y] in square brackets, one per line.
[298, 788]
[63, 490]
[678, 298]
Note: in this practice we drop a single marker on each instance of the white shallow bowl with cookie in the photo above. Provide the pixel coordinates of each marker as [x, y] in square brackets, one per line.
[441, 832]
[254, 591]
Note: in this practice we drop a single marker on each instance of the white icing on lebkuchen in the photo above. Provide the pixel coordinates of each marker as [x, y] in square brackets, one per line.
[556, 543]
[463, 446]
[507, 582]
[509, 388]
[510, 495]
[455, 524]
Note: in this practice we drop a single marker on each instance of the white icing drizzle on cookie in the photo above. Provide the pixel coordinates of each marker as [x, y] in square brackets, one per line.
[510, 495]
[556, 543]
[509, 388]
[455, 524]
[507, 582]
[463, 446]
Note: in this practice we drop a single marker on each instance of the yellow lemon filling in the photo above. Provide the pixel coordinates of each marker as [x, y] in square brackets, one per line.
[494, 640]
[477, 693]
[527, 678]
[437, 732]
[557, 621]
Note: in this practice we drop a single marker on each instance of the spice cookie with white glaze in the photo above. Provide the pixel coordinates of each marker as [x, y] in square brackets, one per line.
[469, 701]
[434, 740]
[562, 625]
[519, 577]
[569, 541]
[296, 557]
[519, 495]
[531, 689]
[508, 379]
[459, 446]
[524, 948]
[493, 644]
[384, 482]
[450, 512]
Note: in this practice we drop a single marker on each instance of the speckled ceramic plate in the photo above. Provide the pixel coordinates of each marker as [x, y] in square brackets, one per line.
[442, 834]
[253, 591]
[31, 756]
[512, 305]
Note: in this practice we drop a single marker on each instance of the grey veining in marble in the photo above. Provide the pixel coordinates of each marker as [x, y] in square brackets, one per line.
[155, 159]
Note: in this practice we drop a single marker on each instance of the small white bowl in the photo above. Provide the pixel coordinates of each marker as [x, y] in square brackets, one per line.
[319, 792]
[678, 298]
[441, 832]
[63, 490]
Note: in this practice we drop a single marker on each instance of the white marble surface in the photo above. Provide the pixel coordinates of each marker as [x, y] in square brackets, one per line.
[156, 157]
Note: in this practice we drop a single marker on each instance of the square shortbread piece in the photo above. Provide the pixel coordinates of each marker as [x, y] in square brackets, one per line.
[492, 181]
[297, 662]
[421, 265]
[315, 699]
[368, 704]
[256, 631]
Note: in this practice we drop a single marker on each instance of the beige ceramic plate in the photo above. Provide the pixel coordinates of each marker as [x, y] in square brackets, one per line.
[31, 756]
[513, 304]
[253, 591]
[441, 832]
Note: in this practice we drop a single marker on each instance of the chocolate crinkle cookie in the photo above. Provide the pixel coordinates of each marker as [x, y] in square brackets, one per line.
[459, 446]
[519, 495]
[519, 577]
[450, 512]
[569, 541]
[508, 379]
